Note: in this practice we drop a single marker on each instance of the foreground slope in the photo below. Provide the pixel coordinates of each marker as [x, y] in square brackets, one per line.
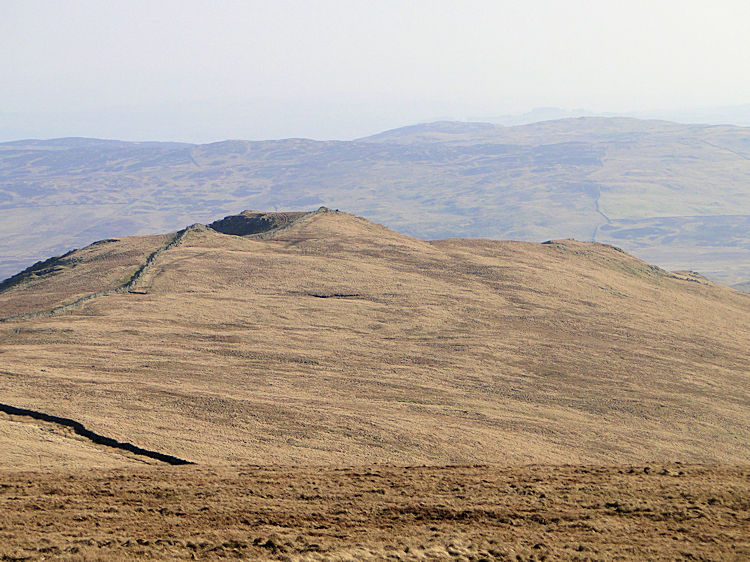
[643, 512]
[329, 339]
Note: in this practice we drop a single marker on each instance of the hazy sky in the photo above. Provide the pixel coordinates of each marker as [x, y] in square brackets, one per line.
[208, 70]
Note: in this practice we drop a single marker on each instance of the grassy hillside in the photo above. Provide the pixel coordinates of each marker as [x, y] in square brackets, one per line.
[333, 340]
[675, 195]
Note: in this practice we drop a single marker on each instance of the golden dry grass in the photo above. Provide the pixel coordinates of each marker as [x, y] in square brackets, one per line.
[28, 444]
[651, 511]
[98, 267]
[457, 351]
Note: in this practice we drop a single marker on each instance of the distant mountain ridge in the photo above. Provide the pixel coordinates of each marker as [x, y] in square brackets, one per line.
[725, 115]
[676, 195]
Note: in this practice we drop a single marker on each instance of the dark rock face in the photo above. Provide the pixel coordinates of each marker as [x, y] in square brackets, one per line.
[39, 269]
[254, 222]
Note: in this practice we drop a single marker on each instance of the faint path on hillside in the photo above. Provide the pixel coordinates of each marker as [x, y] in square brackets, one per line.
[745, 156]
[597, 197]
[190, 155]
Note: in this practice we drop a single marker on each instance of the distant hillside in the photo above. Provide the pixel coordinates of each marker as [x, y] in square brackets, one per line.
[321, 338]
[675, 195]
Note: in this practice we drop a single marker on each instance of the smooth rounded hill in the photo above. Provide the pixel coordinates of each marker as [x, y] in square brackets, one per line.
[322, 338]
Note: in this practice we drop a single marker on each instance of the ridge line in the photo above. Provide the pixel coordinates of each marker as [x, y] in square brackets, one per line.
[175, 241]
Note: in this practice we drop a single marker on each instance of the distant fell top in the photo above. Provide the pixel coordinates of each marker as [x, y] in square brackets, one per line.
[558, 130]
[675, 195]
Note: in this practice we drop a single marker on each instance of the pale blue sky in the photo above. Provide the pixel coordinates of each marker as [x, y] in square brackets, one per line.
[201, 71]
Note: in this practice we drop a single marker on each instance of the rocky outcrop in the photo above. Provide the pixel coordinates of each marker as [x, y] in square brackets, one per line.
[255, 222]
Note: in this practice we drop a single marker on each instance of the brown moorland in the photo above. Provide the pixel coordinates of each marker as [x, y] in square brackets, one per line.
[329, 341]
[335, 340]
[647, 511]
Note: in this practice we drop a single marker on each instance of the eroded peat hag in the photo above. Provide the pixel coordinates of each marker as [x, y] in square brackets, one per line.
[79, 429]
[651, 511]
